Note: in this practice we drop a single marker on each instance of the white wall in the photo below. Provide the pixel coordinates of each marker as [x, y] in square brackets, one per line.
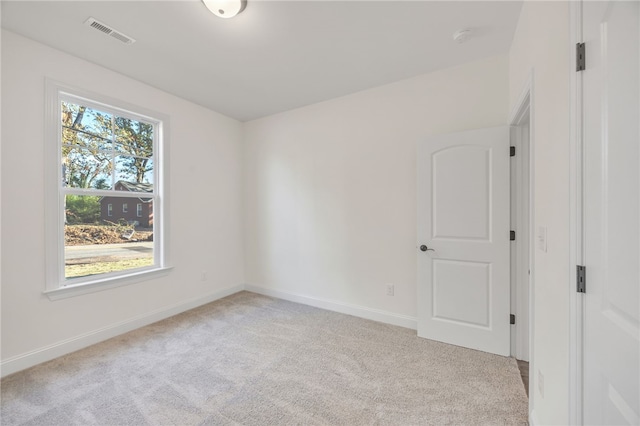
[541, 43]
[205, 216]
[331, 188]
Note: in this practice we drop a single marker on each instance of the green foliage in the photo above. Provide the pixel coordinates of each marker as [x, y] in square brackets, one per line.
[136, 139]
[101, 183]
[81, 209]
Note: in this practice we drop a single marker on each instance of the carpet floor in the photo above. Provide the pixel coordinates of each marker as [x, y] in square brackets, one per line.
[248, 359]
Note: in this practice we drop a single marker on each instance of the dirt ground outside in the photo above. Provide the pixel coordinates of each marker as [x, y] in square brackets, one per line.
[78, 235]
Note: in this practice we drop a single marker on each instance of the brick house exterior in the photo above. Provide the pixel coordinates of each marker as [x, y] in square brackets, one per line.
[137, 211]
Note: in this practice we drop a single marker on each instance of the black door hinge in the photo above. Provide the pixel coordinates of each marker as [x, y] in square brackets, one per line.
[581, 278]
[512, 151]
[512, 235]
[581, 62]
[512, 319]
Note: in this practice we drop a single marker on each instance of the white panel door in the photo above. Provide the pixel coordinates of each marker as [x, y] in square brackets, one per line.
[463, 239]
[611, 139]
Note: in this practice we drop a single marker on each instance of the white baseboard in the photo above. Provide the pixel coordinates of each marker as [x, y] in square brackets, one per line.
[533, 419]
[343, 308]
[47, 353]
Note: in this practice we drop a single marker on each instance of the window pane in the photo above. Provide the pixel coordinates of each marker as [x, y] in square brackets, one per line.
[135, 170]
[133, 137]
[86, 119]
[96, 243]
[100, 155]
[85, 168]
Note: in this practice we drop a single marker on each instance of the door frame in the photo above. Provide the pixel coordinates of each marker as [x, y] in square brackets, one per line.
[524, 305]
[576, 230]
[521, 224]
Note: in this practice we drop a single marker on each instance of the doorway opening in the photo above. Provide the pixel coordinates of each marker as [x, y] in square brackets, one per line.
[521, 222]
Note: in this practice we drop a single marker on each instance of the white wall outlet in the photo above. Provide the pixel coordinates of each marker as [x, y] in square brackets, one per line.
[203, 276]
[541, 383]
[390, 289]
[541, 238]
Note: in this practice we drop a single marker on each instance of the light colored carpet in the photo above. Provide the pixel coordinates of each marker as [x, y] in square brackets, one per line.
[254, 360]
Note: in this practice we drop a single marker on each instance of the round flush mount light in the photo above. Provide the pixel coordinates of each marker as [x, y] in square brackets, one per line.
[462, 35]
[225, 8]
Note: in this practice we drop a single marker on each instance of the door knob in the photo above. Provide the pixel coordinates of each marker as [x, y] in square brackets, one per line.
[425, 248]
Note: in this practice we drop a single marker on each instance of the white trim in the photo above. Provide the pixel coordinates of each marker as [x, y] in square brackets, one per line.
[533, 418]
[107, 193]
[54, 254]
[343, 308]
[514, 220]
[106, 283]
[47, 353]
[576, 255]
[521, 215]
[526, 103]
[532, 222]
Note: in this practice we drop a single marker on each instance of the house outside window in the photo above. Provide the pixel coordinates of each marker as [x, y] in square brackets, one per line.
[111, 155]
[141, 218]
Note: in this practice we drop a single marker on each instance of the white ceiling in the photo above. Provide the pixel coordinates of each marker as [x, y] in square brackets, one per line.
[274, 56]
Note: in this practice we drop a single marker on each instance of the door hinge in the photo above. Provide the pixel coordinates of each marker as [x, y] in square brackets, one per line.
[512, 319]
[581, 278]
[512, 151]
[512, 235]
[580, 57]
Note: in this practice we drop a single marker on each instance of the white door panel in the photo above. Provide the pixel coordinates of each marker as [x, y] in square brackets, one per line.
[463, 218]
[611, 111]
[461, 193]
[458, 282]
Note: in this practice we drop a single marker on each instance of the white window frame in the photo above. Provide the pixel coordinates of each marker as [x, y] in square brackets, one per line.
[109, 209]
[57, 287]
[125, 207]
[139, 210]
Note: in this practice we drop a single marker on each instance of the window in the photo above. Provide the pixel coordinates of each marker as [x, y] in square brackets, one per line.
[139, 210]
[109, 154]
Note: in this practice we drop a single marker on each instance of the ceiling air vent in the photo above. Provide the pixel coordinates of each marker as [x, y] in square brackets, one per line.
[93, 23]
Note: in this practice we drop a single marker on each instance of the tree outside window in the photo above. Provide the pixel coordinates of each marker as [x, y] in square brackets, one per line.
[101, 147]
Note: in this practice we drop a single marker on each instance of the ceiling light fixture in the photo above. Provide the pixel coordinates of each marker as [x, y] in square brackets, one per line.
[225, 8]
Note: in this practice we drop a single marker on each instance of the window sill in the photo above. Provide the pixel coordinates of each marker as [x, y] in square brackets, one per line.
[105, 283]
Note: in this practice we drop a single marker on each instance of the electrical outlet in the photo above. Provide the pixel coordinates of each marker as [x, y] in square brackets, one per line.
[541, 383]
[203, 276]
[390, 289]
